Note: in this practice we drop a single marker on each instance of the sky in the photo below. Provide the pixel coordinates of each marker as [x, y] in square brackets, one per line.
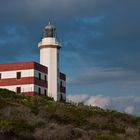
[100, 46]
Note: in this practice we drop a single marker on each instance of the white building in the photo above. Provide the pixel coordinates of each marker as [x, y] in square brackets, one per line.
[31, 78]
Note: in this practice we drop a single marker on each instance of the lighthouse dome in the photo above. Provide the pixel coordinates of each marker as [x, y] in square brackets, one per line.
[50, 26]
[49, 30]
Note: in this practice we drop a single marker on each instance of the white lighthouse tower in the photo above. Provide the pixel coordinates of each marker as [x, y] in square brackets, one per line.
[49, 57]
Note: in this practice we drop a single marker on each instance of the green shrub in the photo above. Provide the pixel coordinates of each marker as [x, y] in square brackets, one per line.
[15, 126]
[7, 94]
[107, 137]
[94, 126]
[113, 128]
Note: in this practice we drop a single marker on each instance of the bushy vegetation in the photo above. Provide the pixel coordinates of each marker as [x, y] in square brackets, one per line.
[41, 118]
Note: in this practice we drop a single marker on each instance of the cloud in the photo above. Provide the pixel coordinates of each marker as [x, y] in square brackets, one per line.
[96, 75]
[128, 104]
[101, 32]
[129, 109]
[14, 44]
[98, 101]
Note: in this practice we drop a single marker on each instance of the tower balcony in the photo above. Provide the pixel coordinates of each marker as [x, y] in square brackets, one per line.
[49, 41]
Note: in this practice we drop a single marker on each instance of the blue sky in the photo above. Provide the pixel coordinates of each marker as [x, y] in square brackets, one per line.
[101, 44]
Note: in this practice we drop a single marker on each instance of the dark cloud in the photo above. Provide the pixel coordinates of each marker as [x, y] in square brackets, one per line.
[113, 41]
[101, 75]
[14, 43]
[94, 33]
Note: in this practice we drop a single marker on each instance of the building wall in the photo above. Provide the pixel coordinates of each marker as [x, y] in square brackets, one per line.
[29, 83]
[36, 74]
[28, 89]
[36, 87]
[24, 88]
[62, 84]
[12, 74]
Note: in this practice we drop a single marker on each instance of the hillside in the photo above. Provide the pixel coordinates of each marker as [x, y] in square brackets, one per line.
[40, 118]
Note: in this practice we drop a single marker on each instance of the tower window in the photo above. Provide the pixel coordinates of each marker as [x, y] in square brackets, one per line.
[39, 91]
[18, 75]
[39, 76]
[0, 76]
[45, 78]
[61, 97]
[45, 92]
[61, 84]
[18, 90]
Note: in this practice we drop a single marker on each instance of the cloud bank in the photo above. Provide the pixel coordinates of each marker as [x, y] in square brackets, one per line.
[128, 104]
[97, 75]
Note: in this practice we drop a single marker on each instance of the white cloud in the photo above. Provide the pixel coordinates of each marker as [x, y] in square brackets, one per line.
[128, 104]
[78, 98]
[129, 109]
[98, 101]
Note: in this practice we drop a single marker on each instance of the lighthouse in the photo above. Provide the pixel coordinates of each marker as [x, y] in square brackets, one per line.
[34, 79]
[49, 57]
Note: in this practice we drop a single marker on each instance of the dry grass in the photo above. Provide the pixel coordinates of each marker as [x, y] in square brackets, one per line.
[38, 118]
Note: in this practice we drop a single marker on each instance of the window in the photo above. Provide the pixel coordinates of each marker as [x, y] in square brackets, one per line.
[18, 75]
[18, 90]
[61, 84]
[39, 91]
[0, 76]
[45, 78]
[45, 92]
[39, 76]
[61, 98]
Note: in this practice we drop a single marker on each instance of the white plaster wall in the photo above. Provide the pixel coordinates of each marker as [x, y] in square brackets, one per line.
[24, 73]
[12, 74]
[48, 57]
[24, 88]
